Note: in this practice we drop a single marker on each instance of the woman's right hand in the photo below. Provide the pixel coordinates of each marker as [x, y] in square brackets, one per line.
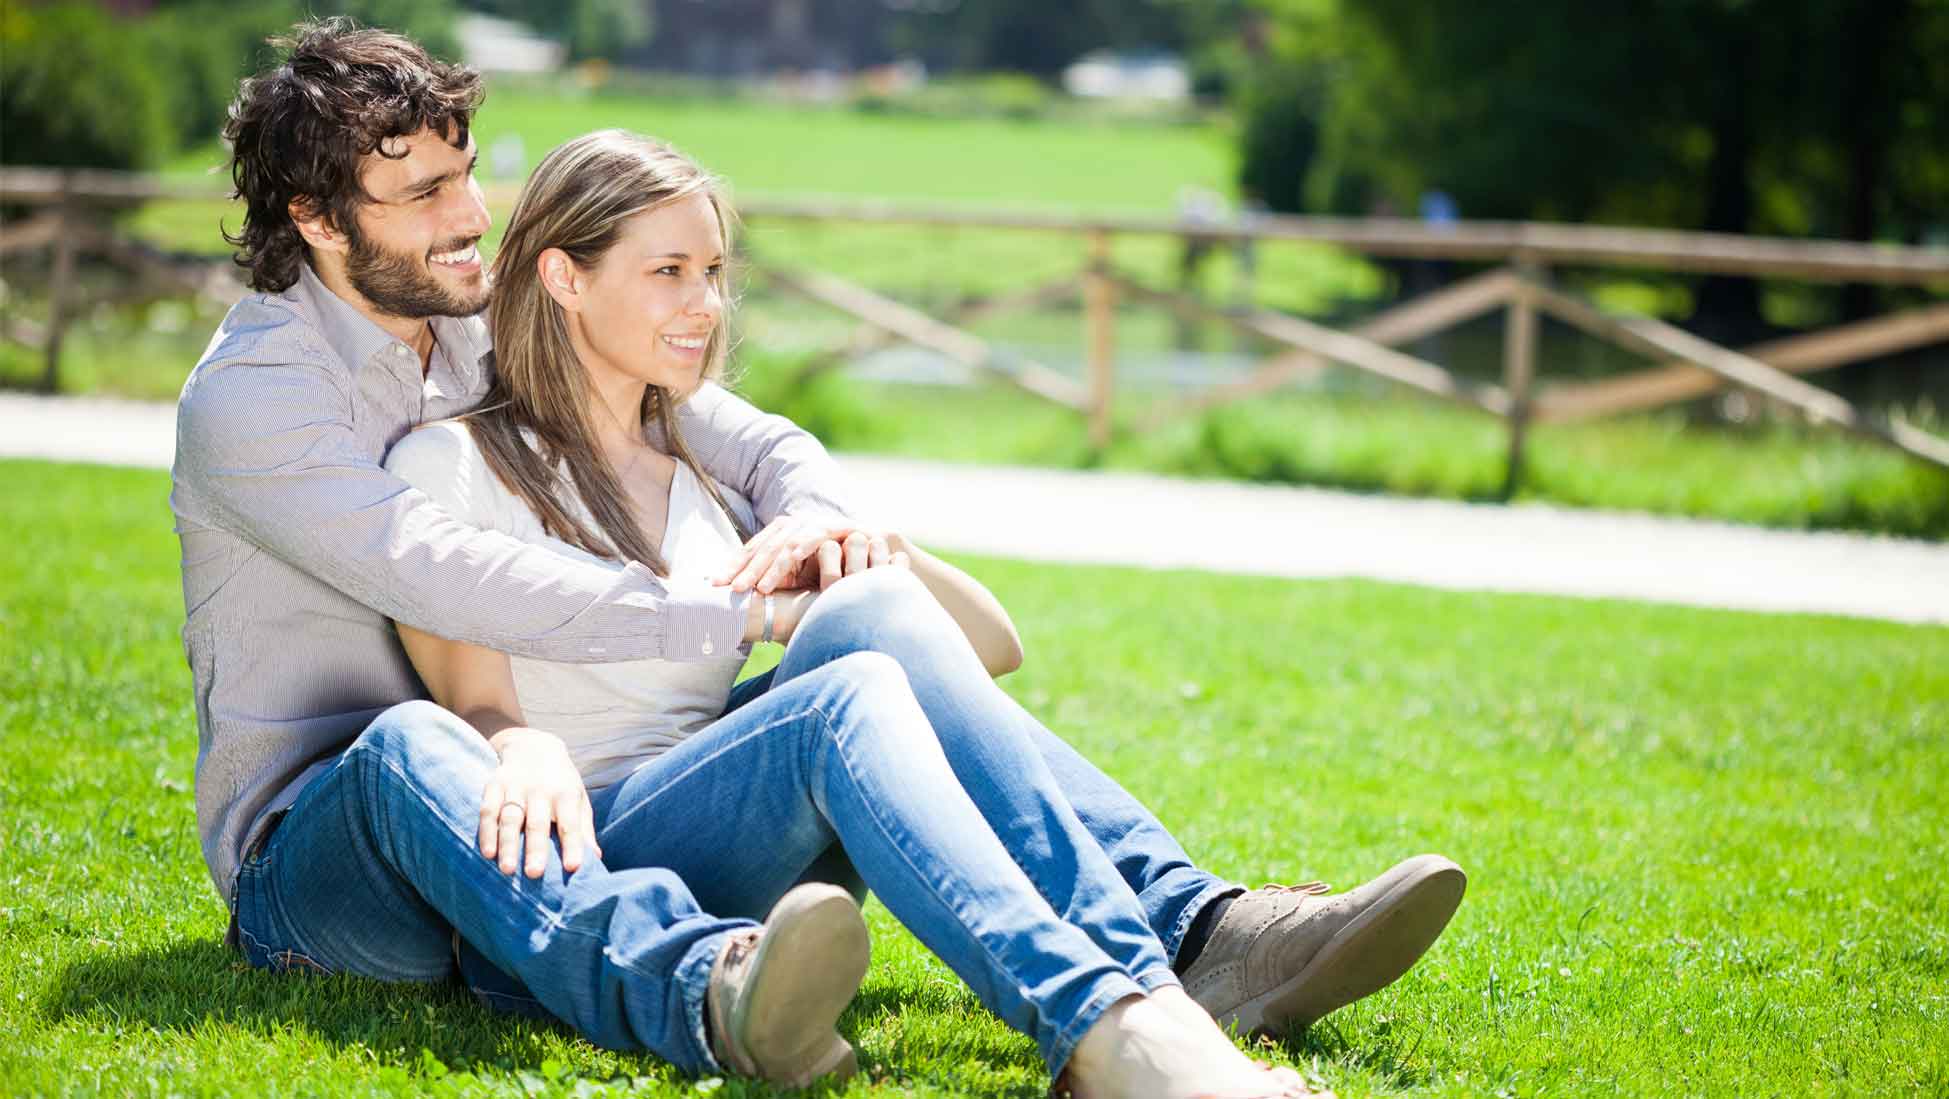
[535, 788]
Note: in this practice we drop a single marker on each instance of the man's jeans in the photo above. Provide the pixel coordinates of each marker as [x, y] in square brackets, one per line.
[879, 741]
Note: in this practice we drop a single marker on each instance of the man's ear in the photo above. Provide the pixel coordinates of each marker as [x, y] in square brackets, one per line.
[315, 225]
[561, 278]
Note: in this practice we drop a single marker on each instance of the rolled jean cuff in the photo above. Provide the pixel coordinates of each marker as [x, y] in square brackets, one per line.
[1191, 911]
[1109, 991]
[693, 977]
[1154, 979]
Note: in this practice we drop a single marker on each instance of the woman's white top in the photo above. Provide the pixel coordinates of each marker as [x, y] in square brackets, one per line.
[611, 716]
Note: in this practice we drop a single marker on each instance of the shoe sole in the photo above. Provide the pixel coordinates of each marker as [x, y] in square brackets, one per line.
[809, 965]
[1373, 951]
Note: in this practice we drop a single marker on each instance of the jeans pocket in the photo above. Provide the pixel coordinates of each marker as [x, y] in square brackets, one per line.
[265, 941]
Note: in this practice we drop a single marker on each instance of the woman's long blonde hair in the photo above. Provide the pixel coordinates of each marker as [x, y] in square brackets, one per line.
[578, 200]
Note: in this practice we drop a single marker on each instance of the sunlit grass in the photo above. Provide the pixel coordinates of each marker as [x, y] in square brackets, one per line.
[1706, 848]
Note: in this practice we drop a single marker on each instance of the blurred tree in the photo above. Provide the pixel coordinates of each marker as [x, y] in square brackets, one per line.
[589, 28]
[250, 22]
[79, 91]
[205, 47]
[1794, 116]
[1037, 37]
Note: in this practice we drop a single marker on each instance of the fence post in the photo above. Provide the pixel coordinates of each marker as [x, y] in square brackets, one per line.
[1519, 367]
[60, 288]
[1099, 336]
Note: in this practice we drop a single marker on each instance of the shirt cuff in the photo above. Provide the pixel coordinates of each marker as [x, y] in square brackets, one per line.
[703, 621]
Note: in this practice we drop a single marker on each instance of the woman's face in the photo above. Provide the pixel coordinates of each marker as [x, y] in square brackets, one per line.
[650, 306]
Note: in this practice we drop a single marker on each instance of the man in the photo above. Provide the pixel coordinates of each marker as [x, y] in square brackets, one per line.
[336, 806]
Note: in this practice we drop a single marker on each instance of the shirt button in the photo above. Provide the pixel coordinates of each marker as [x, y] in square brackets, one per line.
[708, 647]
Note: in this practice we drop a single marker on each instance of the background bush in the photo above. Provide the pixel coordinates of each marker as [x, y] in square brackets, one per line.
[80, 91]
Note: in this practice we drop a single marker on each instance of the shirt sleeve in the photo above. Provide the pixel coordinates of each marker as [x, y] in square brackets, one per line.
[777, 465]
[270, 451]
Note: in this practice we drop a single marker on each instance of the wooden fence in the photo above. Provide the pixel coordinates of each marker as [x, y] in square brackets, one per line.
[1686, 366]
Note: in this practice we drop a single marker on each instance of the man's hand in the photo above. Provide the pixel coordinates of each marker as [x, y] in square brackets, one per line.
[535, 788]
[790, 553]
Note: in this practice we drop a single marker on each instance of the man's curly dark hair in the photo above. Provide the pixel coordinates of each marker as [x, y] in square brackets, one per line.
[298, 132]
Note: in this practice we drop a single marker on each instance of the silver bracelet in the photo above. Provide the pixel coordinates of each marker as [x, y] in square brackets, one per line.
[770, 605]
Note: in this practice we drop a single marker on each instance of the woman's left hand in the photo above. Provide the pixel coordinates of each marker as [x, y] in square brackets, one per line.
[806, 553]
[858, 551]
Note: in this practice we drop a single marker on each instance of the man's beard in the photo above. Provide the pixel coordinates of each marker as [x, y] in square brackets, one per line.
[401, 286]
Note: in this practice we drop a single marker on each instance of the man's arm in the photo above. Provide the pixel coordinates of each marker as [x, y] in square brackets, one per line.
[269, 450]
[777, 465]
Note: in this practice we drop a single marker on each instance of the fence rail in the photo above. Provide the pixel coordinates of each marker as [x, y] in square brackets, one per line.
[1524, 252]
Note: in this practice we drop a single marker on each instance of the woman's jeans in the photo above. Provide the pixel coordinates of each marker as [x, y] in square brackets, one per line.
[879, 741]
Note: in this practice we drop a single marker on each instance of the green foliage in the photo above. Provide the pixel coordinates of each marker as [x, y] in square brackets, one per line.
[79, 91]
[428, 22]
[1809, 116]
[589, 28]
[1704, 848]
[85, 88]
[208, 47]
[1041, 38]
[1279, 138]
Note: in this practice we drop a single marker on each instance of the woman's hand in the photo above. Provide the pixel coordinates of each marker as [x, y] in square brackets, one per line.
[792, 552]
[858, 551]
[535, 788]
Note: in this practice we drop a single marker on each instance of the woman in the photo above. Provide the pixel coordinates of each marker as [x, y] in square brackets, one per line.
[609, 308]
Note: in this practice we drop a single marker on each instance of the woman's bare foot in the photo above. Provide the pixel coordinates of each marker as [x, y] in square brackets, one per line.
[1146, 1047]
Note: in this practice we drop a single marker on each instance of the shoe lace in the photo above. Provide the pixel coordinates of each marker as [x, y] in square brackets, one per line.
[1313, 888]
[738, 949]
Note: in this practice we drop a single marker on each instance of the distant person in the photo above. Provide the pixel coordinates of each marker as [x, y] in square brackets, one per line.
[881, 741]
[345, 818]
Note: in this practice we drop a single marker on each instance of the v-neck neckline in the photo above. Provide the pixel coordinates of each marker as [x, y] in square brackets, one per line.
[670, 513]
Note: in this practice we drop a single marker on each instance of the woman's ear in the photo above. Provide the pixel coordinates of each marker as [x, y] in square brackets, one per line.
[561, 278]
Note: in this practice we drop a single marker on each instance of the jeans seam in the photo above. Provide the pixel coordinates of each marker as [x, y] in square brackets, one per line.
[956, 908]
[553, 922]
[1191, 912]
[1092, 1010]
[711, 758]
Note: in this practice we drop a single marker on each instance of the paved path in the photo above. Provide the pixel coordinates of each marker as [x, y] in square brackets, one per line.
[1133, 519]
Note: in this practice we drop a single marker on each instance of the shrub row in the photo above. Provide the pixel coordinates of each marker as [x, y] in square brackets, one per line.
[88, 89]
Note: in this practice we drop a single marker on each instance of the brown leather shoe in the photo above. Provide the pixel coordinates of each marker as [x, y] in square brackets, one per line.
[776, 992]
[1283, 956]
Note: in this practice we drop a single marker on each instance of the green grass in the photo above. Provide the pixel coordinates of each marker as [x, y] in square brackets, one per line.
[1706, 849]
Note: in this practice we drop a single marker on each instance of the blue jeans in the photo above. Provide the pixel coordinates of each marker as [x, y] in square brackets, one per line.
[878, 742]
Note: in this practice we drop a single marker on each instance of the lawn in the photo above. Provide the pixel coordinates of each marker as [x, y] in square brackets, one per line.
[1706, 849]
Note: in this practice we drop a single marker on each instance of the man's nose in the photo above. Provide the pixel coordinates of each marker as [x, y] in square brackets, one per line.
[473, 215]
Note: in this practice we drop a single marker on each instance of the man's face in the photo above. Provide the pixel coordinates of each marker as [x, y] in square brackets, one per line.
[414, 251]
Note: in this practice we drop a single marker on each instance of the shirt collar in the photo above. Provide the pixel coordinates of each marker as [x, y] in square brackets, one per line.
[358, 340]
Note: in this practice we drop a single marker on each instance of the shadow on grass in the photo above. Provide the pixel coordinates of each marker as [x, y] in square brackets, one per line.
[1383, 1056]
[937, 1032]
[190, 984]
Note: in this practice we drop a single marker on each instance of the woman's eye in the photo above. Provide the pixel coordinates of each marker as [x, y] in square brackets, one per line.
[670, 270]
[715, 270]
